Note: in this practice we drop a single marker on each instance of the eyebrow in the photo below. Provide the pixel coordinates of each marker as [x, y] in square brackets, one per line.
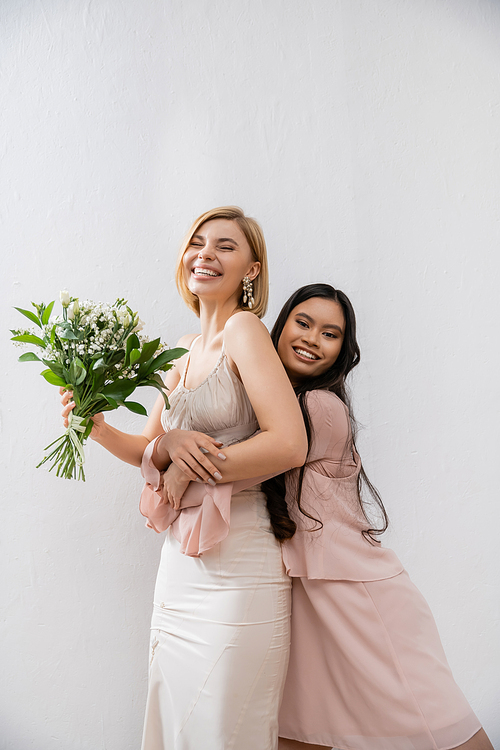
[221, 239]
[328, 325]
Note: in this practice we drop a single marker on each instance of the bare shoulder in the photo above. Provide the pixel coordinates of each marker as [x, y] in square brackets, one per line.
[186, 341]
[243, 321]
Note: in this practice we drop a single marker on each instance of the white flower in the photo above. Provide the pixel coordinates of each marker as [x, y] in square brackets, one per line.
[72, 311]
[123, 317]
[64, 297]
[139, 325]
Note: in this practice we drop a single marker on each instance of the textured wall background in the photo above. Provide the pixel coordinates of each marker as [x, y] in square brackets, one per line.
[364, 137]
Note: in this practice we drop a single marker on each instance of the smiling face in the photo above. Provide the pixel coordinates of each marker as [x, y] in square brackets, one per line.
[216, 260]
[311, 338]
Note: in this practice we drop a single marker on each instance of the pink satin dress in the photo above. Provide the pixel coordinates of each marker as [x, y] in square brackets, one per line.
[367, 670]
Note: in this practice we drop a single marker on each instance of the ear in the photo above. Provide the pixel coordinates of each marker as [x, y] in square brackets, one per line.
[253, 271]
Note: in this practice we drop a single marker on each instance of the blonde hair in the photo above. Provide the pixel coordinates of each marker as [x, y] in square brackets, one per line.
[255, 238]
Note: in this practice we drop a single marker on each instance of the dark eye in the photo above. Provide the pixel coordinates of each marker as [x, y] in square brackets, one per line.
[302, 323]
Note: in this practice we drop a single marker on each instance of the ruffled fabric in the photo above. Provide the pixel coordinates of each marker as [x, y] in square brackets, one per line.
[205, 514]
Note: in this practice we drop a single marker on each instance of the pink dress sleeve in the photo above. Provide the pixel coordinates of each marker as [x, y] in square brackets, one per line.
[337, 550]
[330, 453]
[204, 518]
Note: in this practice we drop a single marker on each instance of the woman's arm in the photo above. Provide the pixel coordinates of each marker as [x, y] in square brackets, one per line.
[282, 443]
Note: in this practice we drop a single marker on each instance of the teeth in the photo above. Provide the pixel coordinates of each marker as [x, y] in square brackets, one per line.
[204, 272]
[303, 353]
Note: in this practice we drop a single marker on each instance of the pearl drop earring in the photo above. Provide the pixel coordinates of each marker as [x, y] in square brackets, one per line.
[248, 293]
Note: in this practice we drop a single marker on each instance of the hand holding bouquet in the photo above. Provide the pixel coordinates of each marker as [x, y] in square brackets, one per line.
[97, 351]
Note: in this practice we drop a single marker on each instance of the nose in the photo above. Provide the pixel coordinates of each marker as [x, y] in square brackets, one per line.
[206, 252]
[310, 337]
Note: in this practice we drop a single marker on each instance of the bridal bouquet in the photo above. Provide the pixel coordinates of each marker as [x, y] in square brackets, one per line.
[97, 351]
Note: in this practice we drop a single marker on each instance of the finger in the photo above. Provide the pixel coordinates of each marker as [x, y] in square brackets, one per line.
[199, 463]
[69, 407]
[195, 470]
[66, 396]
[214, 450]
[211, 470]
[65, 412]
[188, 471]
[215, 442]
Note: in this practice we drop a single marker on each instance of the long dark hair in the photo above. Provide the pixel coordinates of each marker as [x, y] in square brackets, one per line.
[334, 380]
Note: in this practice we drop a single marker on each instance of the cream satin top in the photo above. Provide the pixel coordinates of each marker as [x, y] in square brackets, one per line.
[218, 407]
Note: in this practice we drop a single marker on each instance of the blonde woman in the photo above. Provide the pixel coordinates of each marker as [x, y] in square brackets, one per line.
[220, 626]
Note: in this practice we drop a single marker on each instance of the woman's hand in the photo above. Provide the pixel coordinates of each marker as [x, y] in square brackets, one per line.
[189, 449]
[175, 483]
[69, 405]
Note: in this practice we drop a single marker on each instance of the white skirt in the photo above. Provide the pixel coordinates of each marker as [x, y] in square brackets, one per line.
[220, 637]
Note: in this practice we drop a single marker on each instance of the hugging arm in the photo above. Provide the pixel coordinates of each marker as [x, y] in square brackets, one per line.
[281, 443]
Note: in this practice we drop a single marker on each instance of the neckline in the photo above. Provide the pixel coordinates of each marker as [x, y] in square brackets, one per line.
[182, 381]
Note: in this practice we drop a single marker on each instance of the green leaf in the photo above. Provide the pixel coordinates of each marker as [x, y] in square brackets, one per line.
[67, 333]
[111, 401]
[159, 387]
[34, 318]
[115, 357]
[52, 378]
[134, 356]
[77, 371]
[135, 407]
[29, 357]
[47, 312]
[157, 378]
[119, 390]
[28, 338]
[132, 343]
[165, 357]
[148, 350]
[55, 367]
[53, 334]
[99, 364]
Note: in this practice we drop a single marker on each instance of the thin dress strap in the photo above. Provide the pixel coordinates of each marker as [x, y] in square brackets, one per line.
[186, 365]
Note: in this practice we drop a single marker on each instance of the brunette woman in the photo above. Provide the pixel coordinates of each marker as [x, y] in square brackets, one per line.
[367, 669]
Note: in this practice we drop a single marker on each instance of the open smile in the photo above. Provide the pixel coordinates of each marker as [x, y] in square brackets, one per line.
[304, 355]
[204, 272]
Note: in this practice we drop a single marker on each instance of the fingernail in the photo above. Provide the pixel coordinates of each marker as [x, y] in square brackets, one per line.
[198, 480]
[217, 475]
[222, 456]
[211, 481]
